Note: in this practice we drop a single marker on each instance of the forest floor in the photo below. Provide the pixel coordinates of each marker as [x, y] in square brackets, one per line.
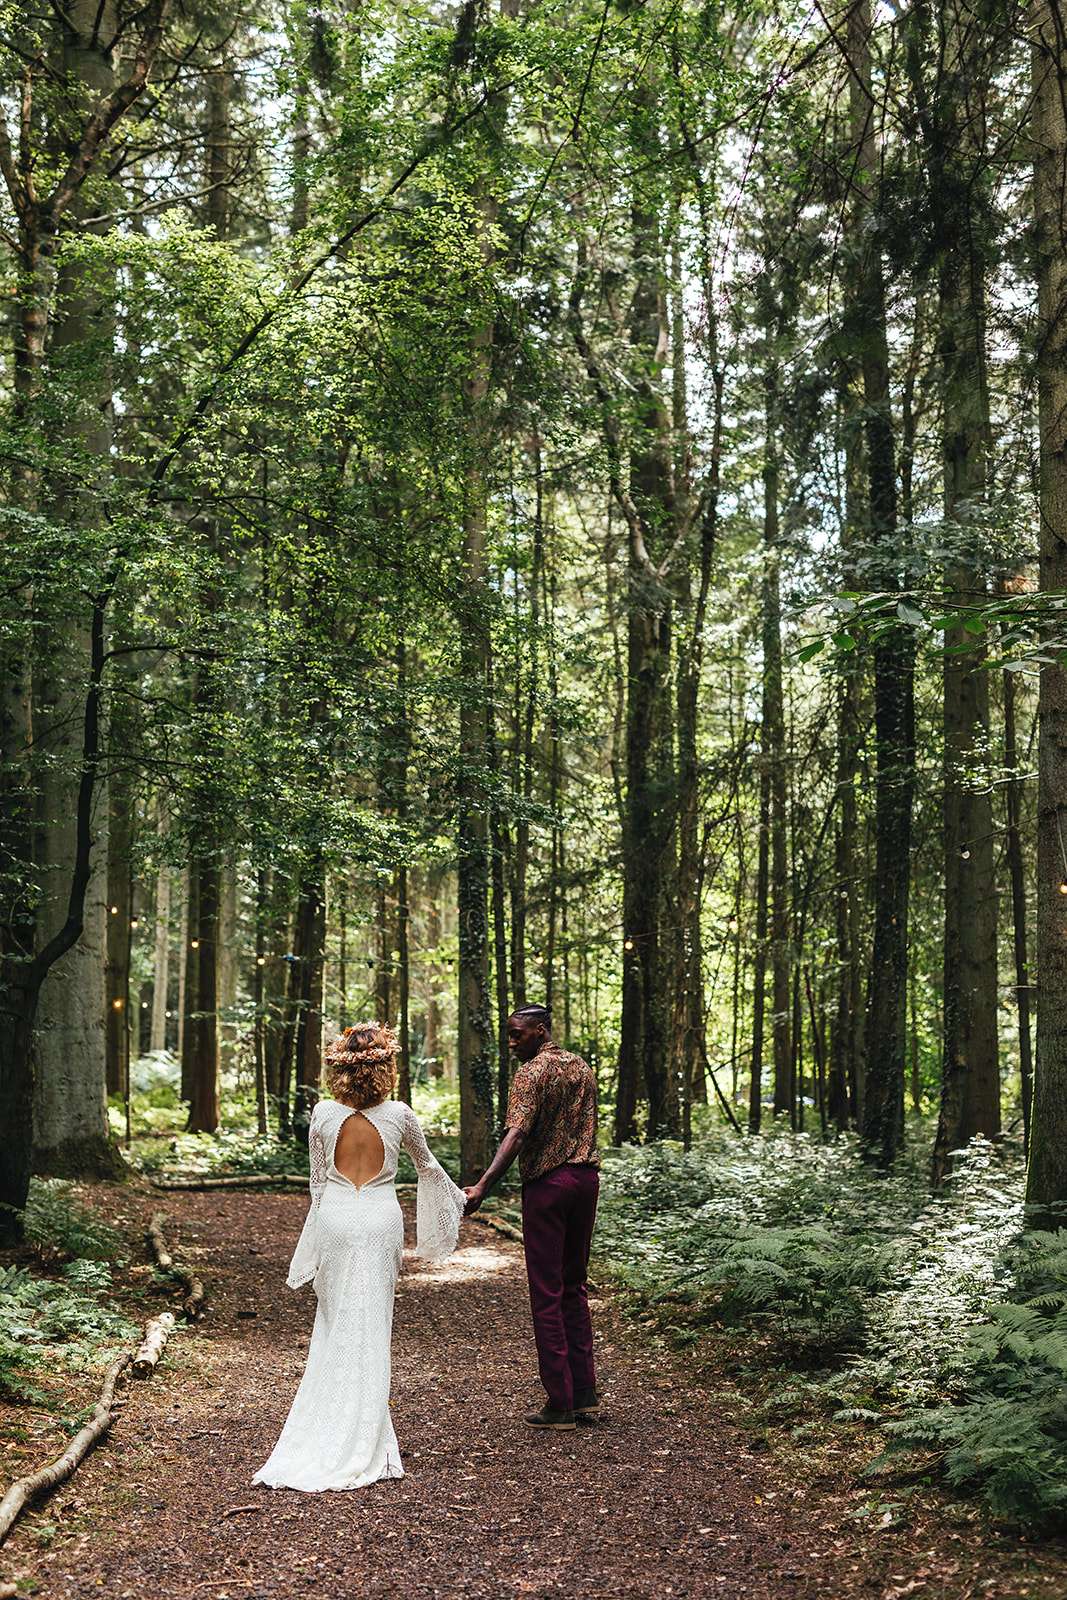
[668, 1493]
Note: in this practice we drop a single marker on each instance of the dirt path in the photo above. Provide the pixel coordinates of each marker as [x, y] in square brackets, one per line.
[660, 1498]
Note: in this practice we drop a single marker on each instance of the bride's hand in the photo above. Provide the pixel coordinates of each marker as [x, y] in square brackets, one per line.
[475, 1196]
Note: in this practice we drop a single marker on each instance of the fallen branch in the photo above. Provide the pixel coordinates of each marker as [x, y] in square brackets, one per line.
[153, 1345]
[193, 1301]
[164, 1259]
[23, 1490]
[498, 1224]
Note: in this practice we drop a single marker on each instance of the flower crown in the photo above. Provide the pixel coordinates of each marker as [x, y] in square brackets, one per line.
[367, 1044]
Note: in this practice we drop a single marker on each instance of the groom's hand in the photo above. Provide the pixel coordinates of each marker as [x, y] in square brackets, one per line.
[475, 1195]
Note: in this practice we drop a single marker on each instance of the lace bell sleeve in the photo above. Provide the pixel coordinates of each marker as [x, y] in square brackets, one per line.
[439, 1205]
[305, 1262]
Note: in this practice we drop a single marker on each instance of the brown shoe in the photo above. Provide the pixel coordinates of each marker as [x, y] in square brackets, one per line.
[547, 1418]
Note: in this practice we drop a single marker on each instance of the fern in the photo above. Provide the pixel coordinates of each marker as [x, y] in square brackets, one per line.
[55, 1320]
[57, 1227]
[1006, 1439]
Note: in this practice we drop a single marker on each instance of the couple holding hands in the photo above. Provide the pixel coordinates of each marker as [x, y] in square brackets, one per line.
[339, 1432]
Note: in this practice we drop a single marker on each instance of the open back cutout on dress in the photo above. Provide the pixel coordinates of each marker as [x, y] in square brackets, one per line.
[359, 1154]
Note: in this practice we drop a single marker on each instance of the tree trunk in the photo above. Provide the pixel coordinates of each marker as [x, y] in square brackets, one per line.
[161, 963]
[1014, 803]
[1046, 1185]
[309, 946]
[648, 823]
[202, 1022]
[119, 914]
[229, 948]
[205, 871]
[773, 745]
[882, 1125]
[970, 1094]
[759, 982]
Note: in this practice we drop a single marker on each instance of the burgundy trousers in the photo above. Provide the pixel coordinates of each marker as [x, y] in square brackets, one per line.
[558, 1212]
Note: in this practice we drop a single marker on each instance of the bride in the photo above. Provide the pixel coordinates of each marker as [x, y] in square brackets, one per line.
[339, 1433]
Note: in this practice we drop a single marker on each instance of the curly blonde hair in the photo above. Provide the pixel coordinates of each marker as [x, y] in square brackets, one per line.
[361, 1064]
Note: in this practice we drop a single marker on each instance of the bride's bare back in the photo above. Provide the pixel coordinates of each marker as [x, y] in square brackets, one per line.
[359, 1153]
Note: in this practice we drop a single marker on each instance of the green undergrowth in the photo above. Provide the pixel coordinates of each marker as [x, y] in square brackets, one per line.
[160, 1146]
[834, 1290]
[1003, 1433]
[57, 1308]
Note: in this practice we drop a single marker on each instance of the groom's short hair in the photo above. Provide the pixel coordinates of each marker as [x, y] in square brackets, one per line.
[534, 1014]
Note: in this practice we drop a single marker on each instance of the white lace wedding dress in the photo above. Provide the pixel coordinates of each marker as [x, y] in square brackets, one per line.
[339, 1432]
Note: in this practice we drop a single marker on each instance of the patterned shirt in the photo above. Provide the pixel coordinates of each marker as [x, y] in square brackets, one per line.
[553, 1100]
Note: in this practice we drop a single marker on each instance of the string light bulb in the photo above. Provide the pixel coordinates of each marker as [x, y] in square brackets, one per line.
[116, 1004]
[733, 924]
[261, 961]
[135, 922]
[1063, 885]
[628, 944]
[965, 854]
[194, 944]
[114, 911]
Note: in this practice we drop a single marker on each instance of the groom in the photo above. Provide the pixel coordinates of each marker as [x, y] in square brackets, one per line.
[551, 1127]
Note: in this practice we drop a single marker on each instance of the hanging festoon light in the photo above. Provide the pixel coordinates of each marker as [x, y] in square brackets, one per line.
[194, 944]
[965, 854]
[628, 944]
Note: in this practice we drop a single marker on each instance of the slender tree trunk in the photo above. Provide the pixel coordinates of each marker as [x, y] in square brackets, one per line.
[258, 999]
[648, 828]
[1017, 874]
[475, 1025]
[882, 1125]
[119, 914]
[500, 933]
[970, 1095]
[759, 982]
[202, 1038]
[1046, 1186]
[229, 948]
[525, 717]
[846, 1064]
[310, 948]
[773, 746]
[161, 963]
[201, 1026]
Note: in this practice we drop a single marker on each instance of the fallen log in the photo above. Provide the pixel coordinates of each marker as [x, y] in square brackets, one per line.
[23, 1490]
[193, 1300]
[240, 1180]
[153, 1345]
